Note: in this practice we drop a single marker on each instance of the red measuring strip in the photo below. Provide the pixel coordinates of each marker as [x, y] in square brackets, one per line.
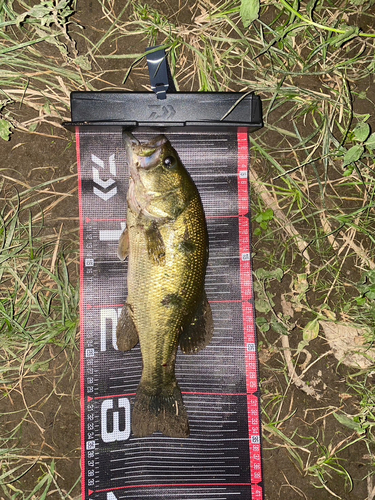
[248, 314]
[81, 307]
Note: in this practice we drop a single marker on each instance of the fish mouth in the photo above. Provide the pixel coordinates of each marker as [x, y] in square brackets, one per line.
[143, 155]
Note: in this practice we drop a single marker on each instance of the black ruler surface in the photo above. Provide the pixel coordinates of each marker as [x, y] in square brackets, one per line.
[222, 457]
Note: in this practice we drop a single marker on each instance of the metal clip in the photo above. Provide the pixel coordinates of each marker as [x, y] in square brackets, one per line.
[158, 68]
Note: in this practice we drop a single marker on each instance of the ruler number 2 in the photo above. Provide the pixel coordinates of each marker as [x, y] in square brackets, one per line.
[115, 422]
[108, 324]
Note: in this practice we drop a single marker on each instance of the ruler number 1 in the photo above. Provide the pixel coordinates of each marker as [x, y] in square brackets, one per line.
[115, 422]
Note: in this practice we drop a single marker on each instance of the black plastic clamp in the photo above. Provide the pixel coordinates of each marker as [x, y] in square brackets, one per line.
[160, 76]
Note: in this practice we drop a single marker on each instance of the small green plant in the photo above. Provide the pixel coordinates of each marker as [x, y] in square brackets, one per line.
[263, 219]
[5, 129]
[38, 302]
[363, 142]
[265, 304]
[364, 304]
[38, 320]
[366, 288]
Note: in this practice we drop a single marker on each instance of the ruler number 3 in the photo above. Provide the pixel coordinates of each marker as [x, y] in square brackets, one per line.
[115, 422]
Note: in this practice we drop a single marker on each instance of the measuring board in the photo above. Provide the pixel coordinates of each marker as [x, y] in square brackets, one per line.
[221, 459]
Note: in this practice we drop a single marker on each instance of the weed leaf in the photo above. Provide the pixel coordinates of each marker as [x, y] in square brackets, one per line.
[370, 143]
[353, 155]
[249, 11]
[263, 305]
[362, 131]
[83, 62]
[279, 327]
[301, 346]
[264, 275]
[371, 276]
[339, 40]
[262, 324]
[349, 422]
[311, 330]
[310, 7]
[5, 130]
[265, 216]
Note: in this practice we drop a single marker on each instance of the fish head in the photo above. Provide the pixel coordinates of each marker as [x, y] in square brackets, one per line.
[162, 187]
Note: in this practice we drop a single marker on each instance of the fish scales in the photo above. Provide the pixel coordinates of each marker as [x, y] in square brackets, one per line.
[166, 242]
[152, 311]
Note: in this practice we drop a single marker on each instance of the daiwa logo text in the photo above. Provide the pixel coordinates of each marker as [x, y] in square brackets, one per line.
[105, 189]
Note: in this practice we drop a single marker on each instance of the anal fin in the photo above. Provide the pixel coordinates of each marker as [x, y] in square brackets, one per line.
[198, 334]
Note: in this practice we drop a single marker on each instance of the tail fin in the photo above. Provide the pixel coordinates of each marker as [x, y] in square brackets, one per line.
[163, 411]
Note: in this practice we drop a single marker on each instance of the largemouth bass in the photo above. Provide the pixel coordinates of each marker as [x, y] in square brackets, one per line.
[166, 243]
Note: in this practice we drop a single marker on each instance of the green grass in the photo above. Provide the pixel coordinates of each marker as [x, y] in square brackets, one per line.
[39, 300]
[312, 183]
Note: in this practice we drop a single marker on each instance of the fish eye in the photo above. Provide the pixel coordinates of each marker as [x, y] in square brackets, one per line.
[169, 162]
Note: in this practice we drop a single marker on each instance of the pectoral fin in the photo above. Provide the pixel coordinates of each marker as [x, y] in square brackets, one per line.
[155, 244]
[126, 332]
[123, 245]
[199, 333]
